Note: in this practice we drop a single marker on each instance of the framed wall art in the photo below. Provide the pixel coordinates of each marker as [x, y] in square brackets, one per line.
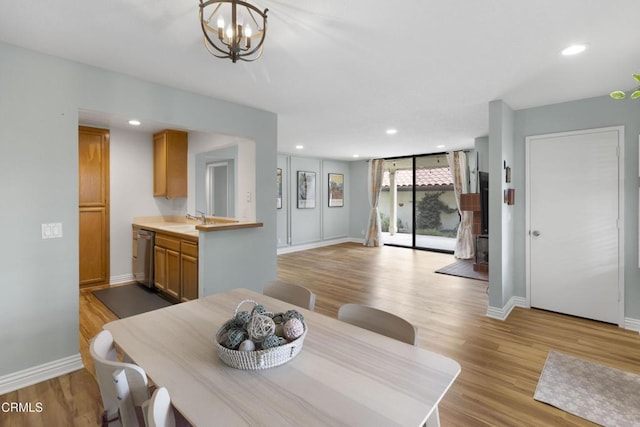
[306, 190]
[336, 190]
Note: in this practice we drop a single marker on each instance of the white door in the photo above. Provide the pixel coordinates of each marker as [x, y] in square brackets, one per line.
[572, 203]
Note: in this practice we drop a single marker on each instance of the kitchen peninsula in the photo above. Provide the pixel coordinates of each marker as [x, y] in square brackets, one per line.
[192, 258]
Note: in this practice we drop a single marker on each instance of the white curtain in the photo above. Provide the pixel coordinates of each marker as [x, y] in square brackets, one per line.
[374, 230]
[465, 247]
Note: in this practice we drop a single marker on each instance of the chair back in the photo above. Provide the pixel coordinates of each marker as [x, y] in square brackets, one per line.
[379, 321]
[132, 378]
[160, 412]
[294, 294]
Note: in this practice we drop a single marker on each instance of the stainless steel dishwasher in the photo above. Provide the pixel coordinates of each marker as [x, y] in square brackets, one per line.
[144, 241]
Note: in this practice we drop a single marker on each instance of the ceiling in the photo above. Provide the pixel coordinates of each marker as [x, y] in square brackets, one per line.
[339, 73]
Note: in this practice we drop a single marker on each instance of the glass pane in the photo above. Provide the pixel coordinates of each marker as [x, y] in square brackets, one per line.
[396, 202]
[431, 220]
[437, 216]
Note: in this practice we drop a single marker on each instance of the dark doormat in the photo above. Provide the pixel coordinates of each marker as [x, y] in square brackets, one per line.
[463, 268]
[129, 300]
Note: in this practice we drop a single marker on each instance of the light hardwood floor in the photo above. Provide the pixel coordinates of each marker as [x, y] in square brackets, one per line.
[501, 360]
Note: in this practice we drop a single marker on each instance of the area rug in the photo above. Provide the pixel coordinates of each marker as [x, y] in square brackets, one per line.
[598, 393]
[129, 300]
[463, 268]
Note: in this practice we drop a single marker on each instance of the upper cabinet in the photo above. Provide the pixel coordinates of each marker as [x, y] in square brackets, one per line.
[170, 164]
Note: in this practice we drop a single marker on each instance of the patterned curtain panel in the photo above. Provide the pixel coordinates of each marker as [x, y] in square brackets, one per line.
[465, 249]
[374, 231]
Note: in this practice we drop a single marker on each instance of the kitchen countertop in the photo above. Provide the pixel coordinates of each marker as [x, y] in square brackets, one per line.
[182, 227]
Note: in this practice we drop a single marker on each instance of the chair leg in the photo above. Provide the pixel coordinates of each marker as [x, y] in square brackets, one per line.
[105, 421]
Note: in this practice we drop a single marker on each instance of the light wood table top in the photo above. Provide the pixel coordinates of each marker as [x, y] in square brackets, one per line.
[344, 375]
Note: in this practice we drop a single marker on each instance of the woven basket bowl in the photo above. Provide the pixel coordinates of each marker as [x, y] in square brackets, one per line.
[260, 359]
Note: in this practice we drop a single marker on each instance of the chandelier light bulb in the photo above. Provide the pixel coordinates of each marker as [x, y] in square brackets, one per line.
[220, 21]
[229, 32]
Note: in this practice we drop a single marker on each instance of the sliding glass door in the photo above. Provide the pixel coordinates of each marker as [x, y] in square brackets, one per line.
[417, 204]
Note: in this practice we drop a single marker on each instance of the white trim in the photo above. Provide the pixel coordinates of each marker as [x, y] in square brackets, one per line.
[37, 374]
[632, 324]
[503, 313]
[621, 195]
[297, 248]
[123, 278]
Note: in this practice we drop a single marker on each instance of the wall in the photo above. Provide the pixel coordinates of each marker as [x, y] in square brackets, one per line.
[131, 195]
[39, 175]
[299, 227]
[576, 115]
[501, 221]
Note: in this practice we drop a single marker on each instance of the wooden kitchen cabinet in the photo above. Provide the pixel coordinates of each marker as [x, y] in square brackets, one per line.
[176, 267]
[170, 164]
[167, 265]
[189, 271]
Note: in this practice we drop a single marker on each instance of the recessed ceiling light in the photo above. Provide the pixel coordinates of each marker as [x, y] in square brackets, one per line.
[574, 49]
[134, 122]
[299, 147]
[355, 156]
[392, 131]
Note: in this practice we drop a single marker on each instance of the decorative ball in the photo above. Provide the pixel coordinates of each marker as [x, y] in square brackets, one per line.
[242, 317]
[258, 309]
[260, 326]
[272, 341]
[247, 345]
[293, 314]
[234, 337]
[293, 328]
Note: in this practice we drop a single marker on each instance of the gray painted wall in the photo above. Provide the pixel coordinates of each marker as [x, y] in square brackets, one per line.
[39, 106]
[583, 114]
[501, 221]
[298, 227]
[359, 200]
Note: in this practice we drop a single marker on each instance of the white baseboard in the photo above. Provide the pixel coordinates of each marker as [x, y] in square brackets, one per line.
[632, 324]
[503, 313]
[37, 374]
[314, 245]
[123, 278]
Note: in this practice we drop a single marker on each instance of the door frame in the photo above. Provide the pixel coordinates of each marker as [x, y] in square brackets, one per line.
[531, 139]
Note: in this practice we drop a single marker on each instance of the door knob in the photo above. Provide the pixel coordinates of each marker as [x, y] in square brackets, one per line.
[536, 233]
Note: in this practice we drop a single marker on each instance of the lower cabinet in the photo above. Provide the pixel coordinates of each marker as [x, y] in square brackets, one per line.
[176, 272]
[189, 269]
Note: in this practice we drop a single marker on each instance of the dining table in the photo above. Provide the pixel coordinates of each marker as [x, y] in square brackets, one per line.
[343, 375]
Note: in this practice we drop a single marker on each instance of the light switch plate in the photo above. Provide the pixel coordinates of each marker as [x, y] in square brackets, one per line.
[51, 230]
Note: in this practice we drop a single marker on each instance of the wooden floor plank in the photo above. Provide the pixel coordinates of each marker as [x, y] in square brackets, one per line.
[501, 360]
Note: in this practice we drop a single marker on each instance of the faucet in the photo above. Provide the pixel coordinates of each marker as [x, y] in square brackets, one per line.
[200, 217]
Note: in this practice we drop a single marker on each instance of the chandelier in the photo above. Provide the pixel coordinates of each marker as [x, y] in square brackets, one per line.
[233, 29]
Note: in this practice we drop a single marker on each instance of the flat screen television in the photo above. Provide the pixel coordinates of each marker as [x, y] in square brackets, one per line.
[483, 189]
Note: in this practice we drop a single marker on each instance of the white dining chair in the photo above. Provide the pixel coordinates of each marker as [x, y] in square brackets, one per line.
[116, 377]
[379, 321]
[160, 412]
[294, 294]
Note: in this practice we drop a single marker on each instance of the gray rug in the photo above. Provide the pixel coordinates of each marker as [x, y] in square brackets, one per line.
[129, 300]
[598, 393]
[463, 268]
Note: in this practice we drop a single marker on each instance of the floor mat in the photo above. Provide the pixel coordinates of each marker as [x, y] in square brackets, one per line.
[463, 268]
[129, 300]
[598, 393]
